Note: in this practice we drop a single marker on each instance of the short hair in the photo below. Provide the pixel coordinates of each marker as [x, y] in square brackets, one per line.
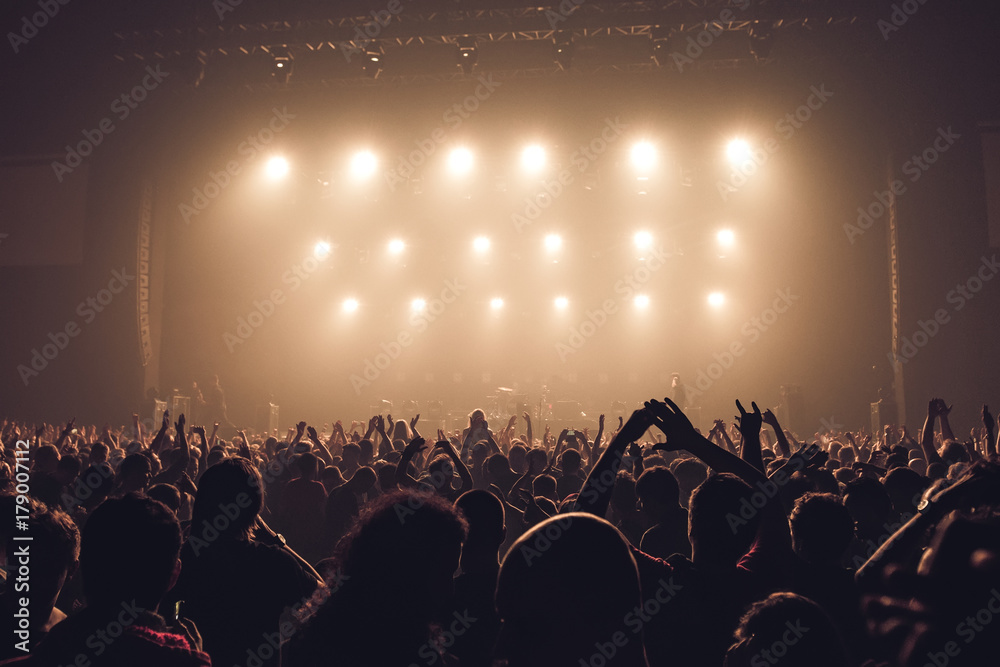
[658, 485]
[69, 464]
[128, 551]
[570, 458]
[306, 464]
[822, 527]
[713, 504]
[135, 463]
[485, 516]
[47, 454]
[544, 485]
[224, 484]
[168, 494]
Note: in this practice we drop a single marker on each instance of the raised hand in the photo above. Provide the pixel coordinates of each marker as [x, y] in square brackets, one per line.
[415, 446]
[636, 426]
[313, 435]
[527, 417]
[674, 424]
[512, 422]
[600, 422]
[750, 422]
[769, 419]
[988, 420]
[635, 450]
[413, 422]
[245, 446]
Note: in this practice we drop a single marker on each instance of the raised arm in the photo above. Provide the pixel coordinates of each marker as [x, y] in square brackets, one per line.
[990, 424]
[161, 435]
[595, 494]
[321, 449]
[595, 451]
[977, 487]
[927, 434]
[779, 435]
[724, 434]
[943, 411]
[531, 439]
[750, 423]
[403, 478]
[460, 468]
[64, 434]
[681, 435]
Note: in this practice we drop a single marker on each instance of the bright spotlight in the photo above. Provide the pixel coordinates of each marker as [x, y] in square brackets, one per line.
[562, 303]
[553, 242]
[641, 301]
[481, 244]
[716, 299]
[418, 304]
[643, 156]
[396, 246]
[321, 250]
[363, 164]
[277, 168]
[533, 158]
[739, 152]
[349, 305]
[460, 161]
[726, 237]
[496, 303]
[643, 240]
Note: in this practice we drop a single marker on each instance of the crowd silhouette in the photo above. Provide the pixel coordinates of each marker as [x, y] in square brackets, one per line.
[373, 545]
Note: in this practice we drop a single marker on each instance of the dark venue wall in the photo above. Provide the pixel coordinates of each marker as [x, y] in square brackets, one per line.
[837, 114]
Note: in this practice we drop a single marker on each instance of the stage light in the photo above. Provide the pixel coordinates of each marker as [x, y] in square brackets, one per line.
[643, 156]
[716, 299]
[468, 53]
[643, 240]
[565, 49]
[322, 250]
[641, 301]
[481, 244]
[282, 64]
[739, 152]
[373, 61]
[496, 303]
[396, 246]
[726, 238]
[277, 168]
[363, 164]
[460, 161]
[562, 303]
[418, 305]
[349, 305]
[533, 158]
[553, 242]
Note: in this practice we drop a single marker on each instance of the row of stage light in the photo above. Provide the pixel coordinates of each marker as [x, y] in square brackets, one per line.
[559, 303]
[644, 157]
[553, 243]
